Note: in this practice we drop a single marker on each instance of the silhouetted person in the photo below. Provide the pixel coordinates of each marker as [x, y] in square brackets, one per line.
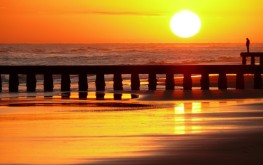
[248, 44]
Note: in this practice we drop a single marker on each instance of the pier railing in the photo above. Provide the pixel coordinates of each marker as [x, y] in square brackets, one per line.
[134, 71]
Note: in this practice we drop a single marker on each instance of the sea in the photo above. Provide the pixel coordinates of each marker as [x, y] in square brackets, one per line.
[123, 54]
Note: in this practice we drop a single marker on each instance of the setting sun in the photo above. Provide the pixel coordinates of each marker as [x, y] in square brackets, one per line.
[185, 24]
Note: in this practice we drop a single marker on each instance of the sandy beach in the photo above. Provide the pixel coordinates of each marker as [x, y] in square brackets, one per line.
[144, 127]
[159, 127]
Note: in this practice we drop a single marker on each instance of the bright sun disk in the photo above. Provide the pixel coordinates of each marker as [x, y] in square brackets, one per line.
[185, 24]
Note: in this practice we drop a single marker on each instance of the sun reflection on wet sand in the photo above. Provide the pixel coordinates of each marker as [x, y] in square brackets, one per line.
[59, 134]
[185, 124]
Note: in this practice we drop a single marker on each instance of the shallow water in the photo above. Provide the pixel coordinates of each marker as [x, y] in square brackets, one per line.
[56, 131]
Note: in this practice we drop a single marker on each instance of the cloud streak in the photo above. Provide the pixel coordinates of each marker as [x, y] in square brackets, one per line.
[40, 11]
[128, 13]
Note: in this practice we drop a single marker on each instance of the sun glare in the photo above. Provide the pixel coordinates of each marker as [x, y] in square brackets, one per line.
[185, 24]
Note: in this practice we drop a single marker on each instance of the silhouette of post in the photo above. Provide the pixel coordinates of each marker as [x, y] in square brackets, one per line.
[100, 95]
[187, 82]
[100, 86]
[31, 82]
[100, 82]
[117, 86]
[117, 96]
[205, 83]
[13, 82]
[48, 82]
[152, 81]
[0, 83]
[244, 60]
[240, 82]
[65, 82]
[134, 96]
[169, 82]
[135, 82]
[222, 81]
[83, 86]
[261, 60]
[65, 85]
[257, 81]
[117, 79]
[253, 60]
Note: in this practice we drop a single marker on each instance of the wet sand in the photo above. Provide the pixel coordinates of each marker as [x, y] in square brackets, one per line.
[230, 149]
[181, 95]
[160, 127]
[131, 132]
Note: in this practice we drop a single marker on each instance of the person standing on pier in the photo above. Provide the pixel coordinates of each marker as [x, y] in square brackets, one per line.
[248, 44]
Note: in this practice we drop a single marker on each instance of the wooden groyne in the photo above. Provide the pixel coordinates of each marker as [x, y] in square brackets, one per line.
[134, 70]
[252, 56]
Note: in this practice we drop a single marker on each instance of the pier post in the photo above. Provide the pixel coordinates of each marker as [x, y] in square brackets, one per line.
[253, 60]
[65, 82]
[261, 60]
[31, 82]
[48, 82]
[83, 86]
[65, 85]
[117, 86]
[100, 95]
[187, 82]
[100, 82]
[117, 96]
[100, 86]
[222, 81]
[117, 80]
[169, 82]
[205, 83]
[135, 82]
[240, 82]
[244, 60]
[152, 81]
[13, 82]
[0, 83]
[257, 81]
[134, 96]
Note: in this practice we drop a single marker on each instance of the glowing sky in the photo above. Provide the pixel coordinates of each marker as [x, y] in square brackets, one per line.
[118, 21]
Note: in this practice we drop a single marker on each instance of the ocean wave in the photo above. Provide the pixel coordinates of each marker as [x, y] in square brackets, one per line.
[121, 54]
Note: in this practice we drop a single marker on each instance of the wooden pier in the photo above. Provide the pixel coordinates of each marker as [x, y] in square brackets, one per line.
[134, 70]
[253, 56]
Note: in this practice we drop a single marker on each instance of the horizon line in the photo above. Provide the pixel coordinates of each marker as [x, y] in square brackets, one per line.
[76, 43]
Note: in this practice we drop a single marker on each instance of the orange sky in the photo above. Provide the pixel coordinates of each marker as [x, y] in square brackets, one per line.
[118, 21]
